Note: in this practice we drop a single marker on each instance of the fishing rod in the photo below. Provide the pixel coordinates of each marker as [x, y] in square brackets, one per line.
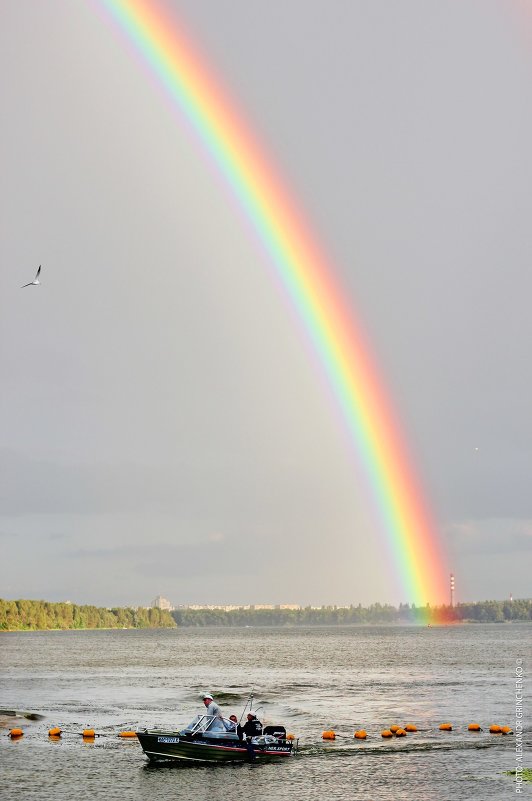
[250, 702]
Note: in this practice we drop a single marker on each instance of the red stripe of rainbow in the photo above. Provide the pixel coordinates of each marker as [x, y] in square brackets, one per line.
[310, 282]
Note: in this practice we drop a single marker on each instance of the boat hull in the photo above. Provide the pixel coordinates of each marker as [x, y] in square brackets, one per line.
[164, 745]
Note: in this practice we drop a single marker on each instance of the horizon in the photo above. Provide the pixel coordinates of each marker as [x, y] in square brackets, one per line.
[258, 606]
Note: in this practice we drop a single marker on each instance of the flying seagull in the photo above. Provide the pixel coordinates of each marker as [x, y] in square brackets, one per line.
[35, 281]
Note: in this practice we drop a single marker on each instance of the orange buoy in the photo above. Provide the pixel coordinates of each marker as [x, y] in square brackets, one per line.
[394, 728]
[400, 733]
[361, 734]
[386, 733]
[127, 734]
[14, 733]
[89, 734]
[474, 727]
[506, 730]
[446, 727]
[495, 729]
[410, 727]
[290, 736]
[328, 735]
[54, 732]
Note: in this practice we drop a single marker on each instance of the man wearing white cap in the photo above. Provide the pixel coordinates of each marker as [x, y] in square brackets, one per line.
[211, 706]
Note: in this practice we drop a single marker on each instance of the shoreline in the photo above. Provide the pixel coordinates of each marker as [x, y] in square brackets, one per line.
[384, 624]
[96, 628]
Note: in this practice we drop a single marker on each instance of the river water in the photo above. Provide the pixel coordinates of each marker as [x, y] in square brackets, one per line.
[309, 679]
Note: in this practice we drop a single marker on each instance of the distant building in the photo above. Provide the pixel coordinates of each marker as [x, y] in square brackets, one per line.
[221, 607]
[162, 603]
[451, 587]
[236, 607]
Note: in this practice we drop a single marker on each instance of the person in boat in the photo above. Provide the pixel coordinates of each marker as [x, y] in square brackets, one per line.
[231, 724]
[252, 727]
[213, 709]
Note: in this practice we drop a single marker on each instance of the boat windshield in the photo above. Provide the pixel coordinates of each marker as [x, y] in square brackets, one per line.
[202, 723]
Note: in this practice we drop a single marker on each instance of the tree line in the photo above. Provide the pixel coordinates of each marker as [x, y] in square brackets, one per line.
[478, 612]
[42, 615]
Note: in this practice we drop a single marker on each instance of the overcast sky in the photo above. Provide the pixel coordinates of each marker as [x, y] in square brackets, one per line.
[163, 427]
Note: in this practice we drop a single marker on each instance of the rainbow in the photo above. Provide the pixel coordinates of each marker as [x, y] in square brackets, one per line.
[411, 536]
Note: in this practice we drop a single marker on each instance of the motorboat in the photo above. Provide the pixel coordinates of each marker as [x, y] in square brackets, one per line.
[213, 739]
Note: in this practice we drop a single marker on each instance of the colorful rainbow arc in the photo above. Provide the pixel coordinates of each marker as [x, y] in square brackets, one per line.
[309, 280]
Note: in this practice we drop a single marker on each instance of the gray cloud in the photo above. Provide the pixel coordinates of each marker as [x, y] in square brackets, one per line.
[160, 560]
[492, 536]
[157, 387]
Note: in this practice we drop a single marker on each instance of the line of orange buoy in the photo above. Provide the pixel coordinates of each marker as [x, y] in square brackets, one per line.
[56, 732]
[410, 728]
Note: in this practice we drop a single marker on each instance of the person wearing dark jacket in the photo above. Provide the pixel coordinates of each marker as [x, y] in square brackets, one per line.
[252, 728]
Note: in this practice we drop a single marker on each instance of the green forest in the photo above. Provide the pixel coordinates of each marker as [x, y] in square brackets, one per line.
[479, 612]
[41, 615]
